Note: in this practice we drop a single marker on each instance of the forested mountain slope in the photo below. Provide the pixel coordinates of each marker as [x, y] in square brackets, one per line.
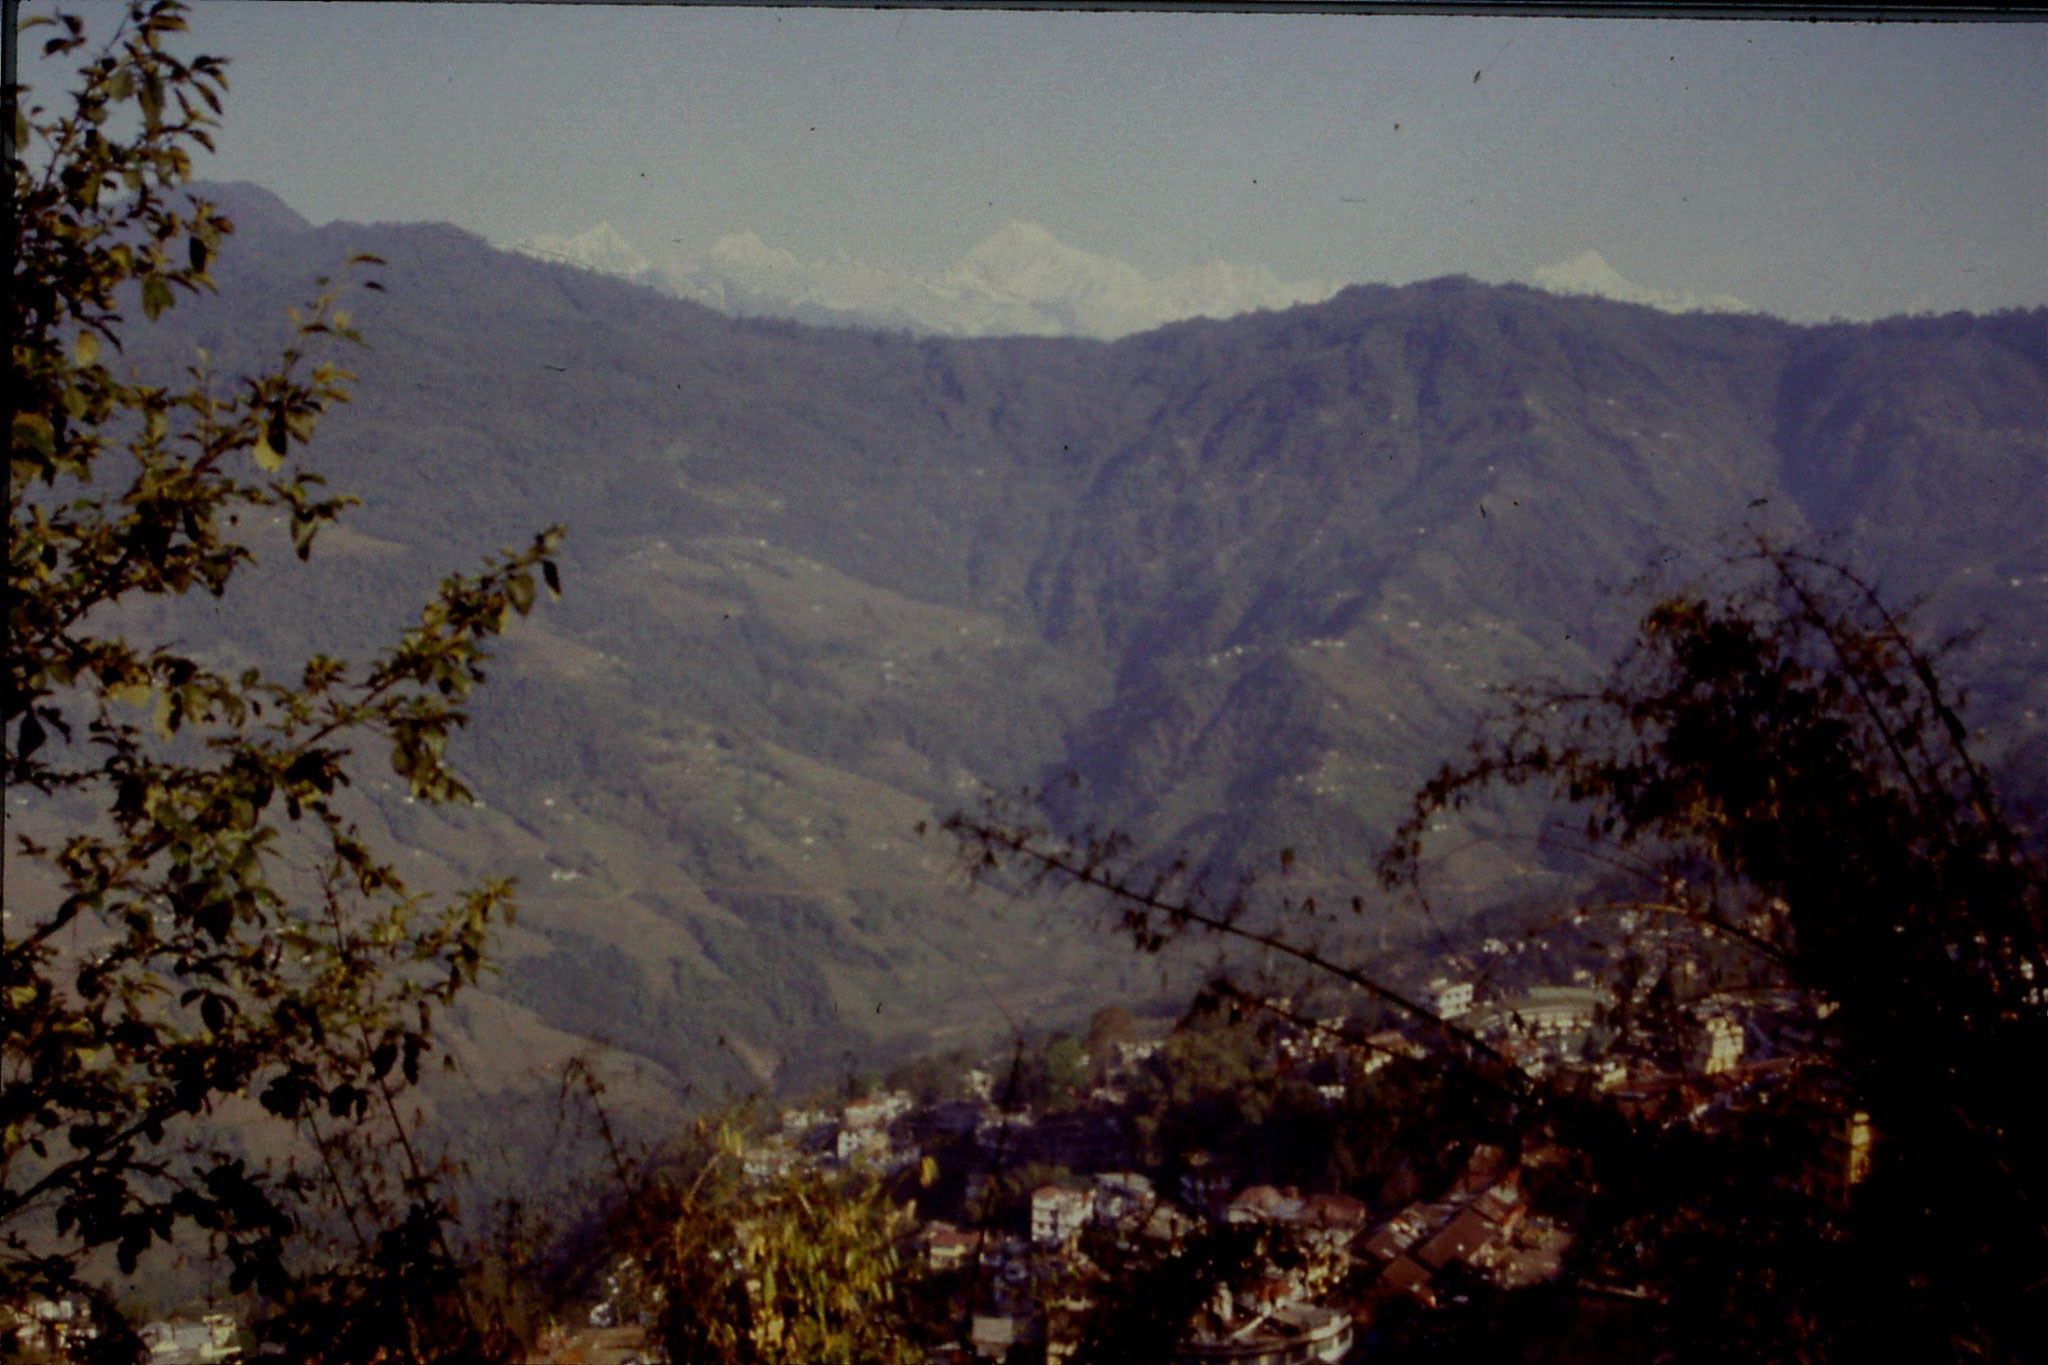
[1248, 580]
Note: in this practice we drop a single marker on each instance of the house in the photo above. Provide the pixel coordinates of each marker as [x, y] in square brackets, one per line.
[1403, 1230]
[994, 1335]
[1406, 1275]
[1165, 1223]
[1336, 1211]
[1122, 1198]
[1717, 1047]
[1551, 1012]
[1501, 1204]
[880, 1108]
[1377, 1050]
[767, 1161]
[950, 1248]
[1057, 1213]
[1264, 1204]
[1332, 1220]
[1532, 1254]
[191, 1343]
[1486, 1164]
[864, 1142]
[1460, 1238]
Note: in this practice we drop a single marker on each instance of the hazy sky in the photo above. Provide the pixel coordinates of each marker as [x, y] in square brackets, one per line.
[1812, 169]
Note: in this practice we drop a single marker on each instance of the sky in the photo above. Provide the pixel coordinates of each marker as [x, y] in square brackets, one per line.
[1810, 170]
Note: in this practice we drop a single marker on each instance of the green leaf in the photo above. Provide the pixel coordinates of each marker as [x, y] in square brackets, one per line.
[33, 430]
[268, 457]
[156, 297]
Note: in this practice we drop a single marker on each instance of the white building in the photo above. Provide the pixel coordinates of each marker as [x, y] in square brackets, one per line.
[1718, 1047]
[1450, 999]
[1057, 1214]
[869, 1143]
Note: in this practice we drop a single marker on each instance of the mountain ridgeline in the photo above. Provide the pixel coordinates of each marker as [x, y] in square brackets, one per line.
[1248, 581]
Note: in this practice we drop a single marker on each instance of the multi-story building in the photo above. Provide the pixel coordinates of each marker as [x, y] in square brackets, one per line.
[1450, 999]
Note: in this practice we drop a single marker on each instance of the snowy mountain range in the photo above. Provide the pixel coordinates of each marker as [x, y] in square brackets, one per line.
[1019, 281]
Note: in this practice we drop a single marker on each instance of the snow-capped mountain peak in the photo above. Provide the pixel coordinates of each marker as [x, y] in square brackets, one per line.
[600, 248]
[1589, 273]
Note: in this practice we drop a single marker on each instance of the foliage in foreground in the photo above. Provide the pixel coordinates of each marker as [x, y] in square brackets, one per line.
[218, 944]
[778, 1268]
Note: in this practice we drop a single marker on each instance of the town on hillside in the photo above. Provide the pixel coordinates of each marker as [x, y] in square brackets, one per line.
[1311, 1146]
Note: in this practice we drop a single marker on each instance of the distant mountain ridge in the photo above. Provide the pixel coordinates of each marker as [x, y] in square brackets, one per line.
[1247, 579]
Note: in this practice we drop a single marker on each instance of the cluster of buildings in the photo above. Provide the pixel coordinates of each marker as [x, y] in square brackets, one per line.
[1027, 1283]
[1036, 1290]
[63, 1329]
[1479, 1226]
[50, 1328]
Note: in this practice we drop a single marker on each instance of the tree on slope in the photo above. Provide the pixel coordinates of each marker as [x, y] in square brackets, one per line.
[195, 930]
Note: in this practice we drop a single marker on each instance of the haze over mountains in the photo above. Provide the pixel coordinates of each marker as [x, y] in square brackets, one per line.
[1248, 579]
